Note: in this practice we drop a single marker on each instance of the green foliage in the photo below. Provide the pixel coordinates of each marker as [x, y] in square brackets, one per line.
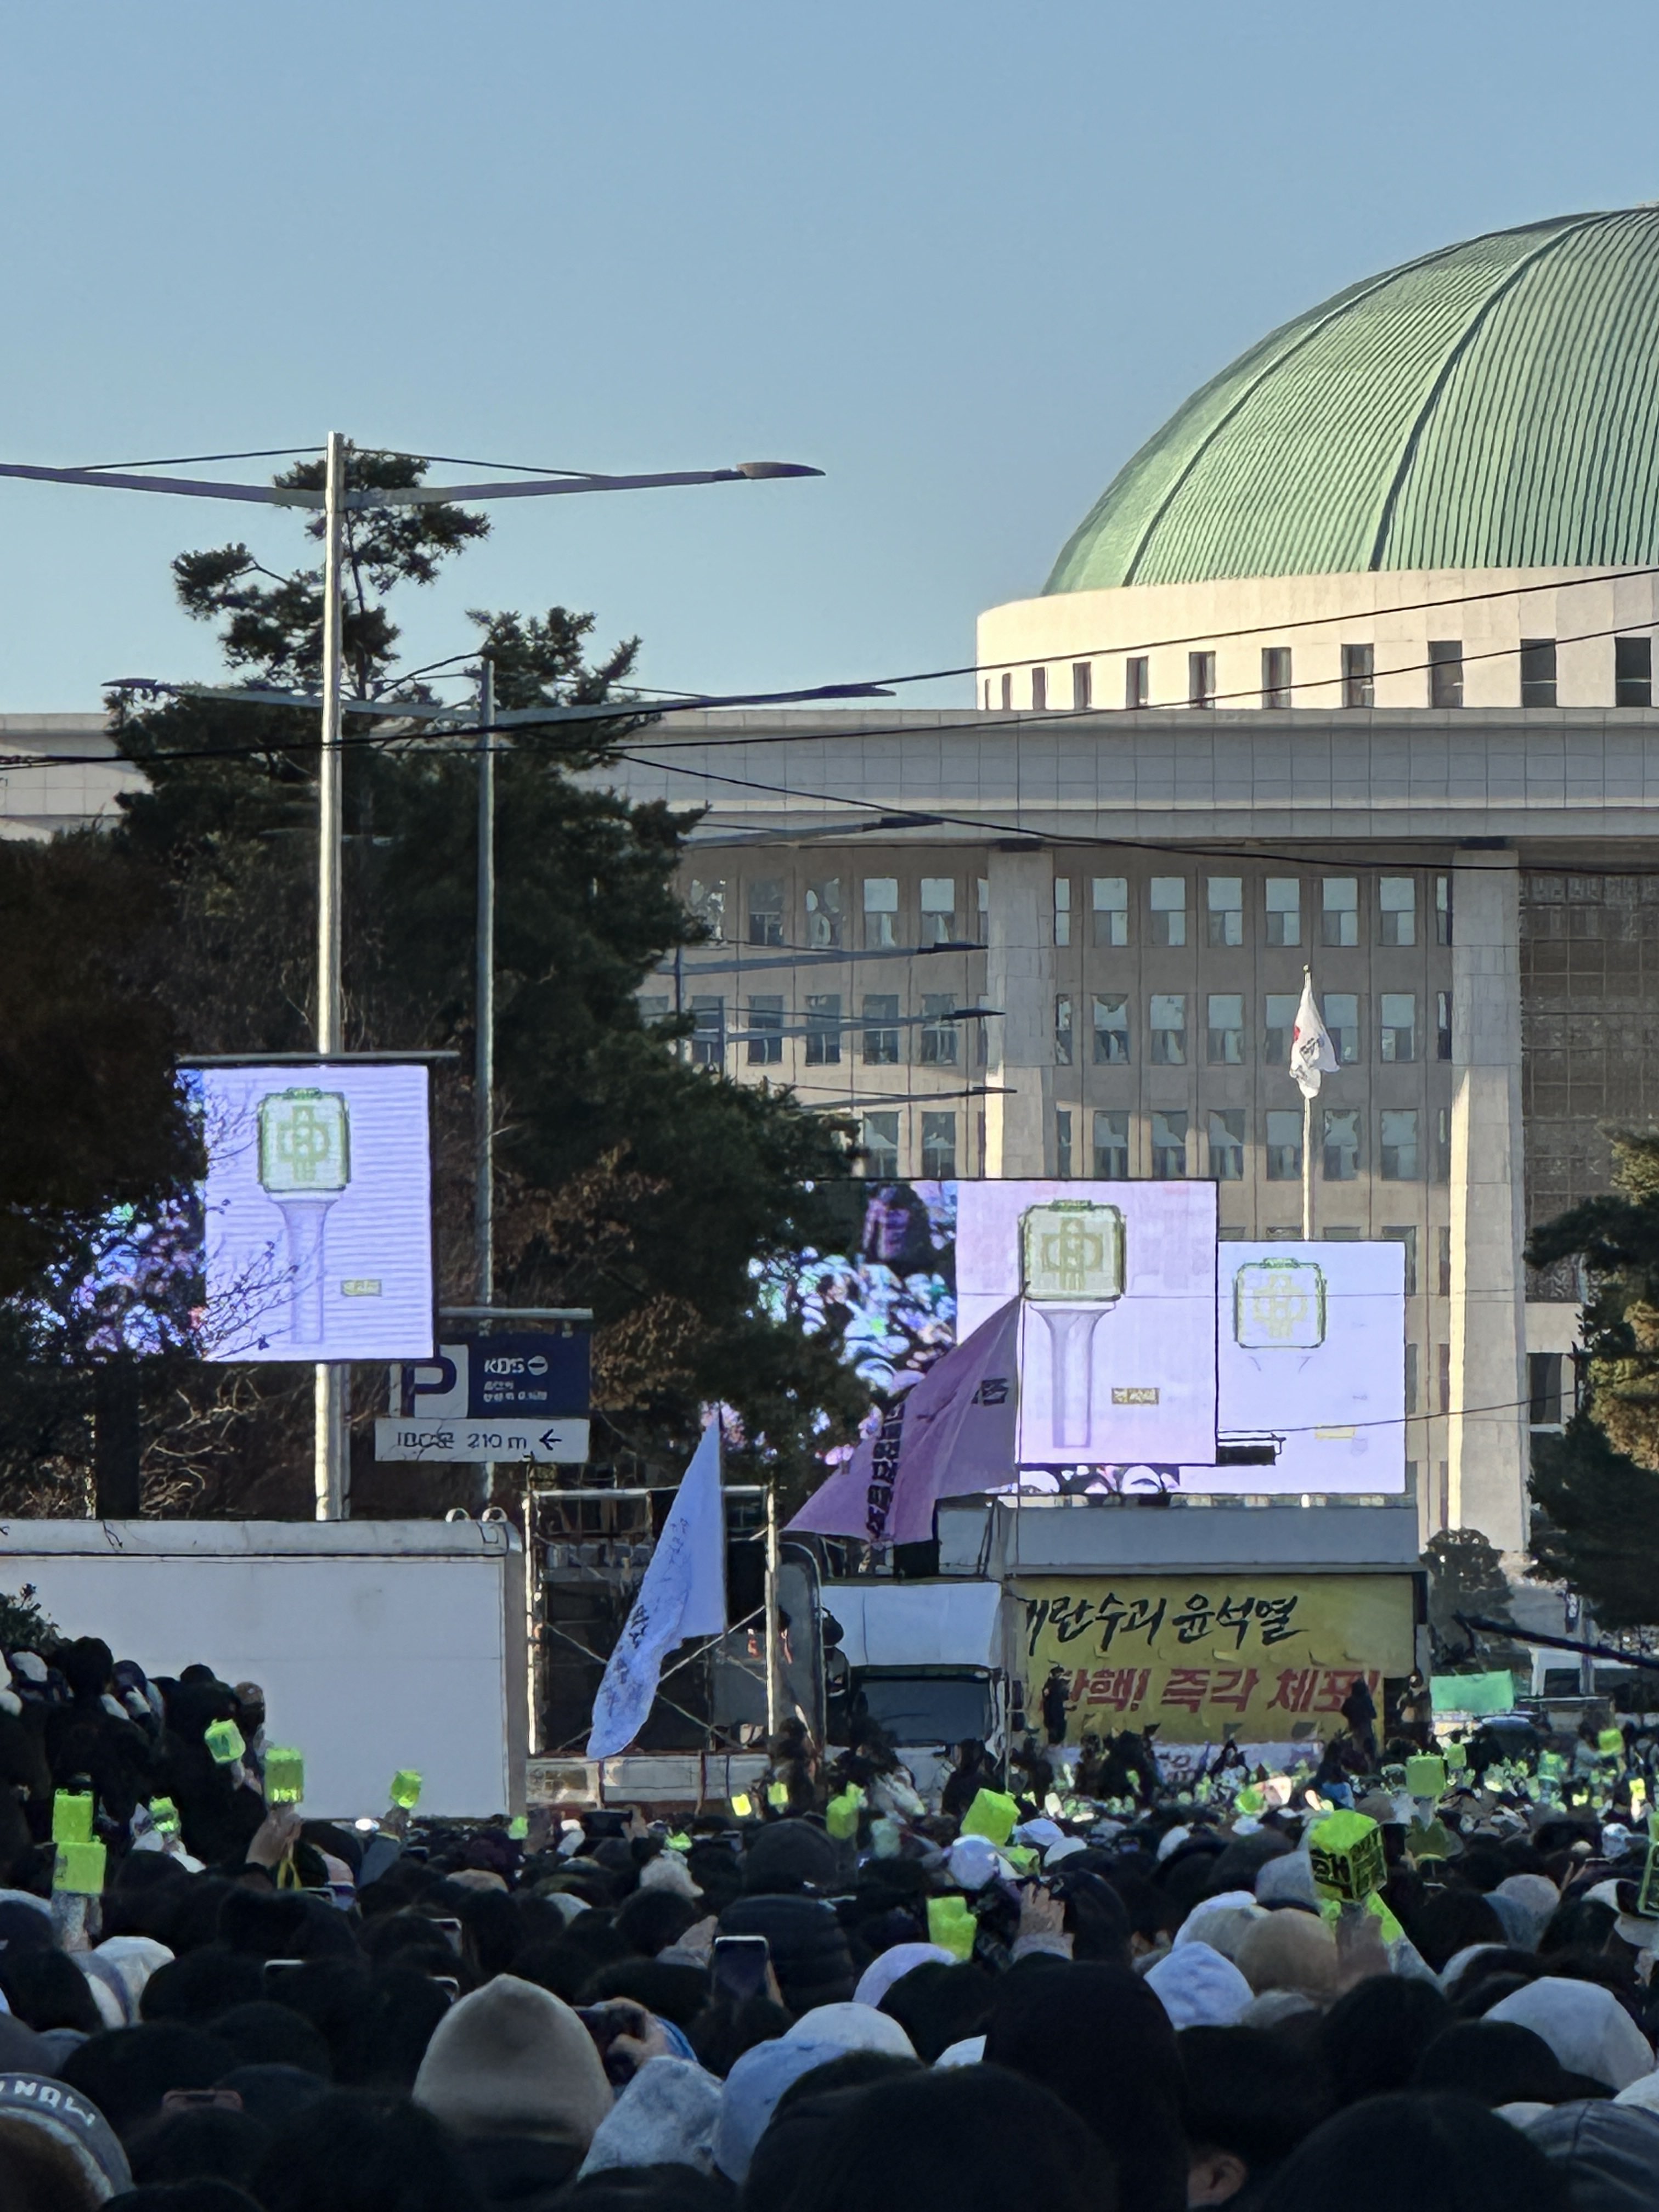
[1465, 1575]
[1595, 1488]
[91, 1116]
[23, 1626]
[627, 1180]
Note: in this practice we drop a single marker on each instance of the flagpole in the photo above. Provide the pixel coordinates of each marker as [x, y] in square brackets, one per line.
[773, 1687]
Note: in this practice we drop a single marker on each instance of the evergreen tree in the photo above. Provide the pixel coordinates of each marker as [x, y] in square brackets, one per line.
[1595, 1488]
[627, 1180]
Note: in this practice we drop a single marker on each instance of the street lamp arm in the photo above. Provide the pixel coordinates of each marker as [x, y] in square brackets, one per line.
[409, 496]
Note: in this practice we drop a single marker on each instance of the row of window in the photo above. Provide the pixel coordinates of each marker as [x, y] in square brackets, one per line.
[1632, 664]
[1336, 917]
[1339, 910]
[1213, 1144]
[1170, 1044]
[828, 919]
[882, 1034]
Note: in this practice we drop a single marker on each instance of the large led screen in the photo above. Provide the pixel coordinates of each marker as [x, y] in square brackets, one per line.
[316, 1213]
[1117, 1285]
[1312, 1366]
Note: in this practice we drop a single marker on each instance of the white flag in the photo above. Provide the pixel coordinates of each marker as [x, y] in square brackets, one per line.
[1312, 1054]
[684, 1593]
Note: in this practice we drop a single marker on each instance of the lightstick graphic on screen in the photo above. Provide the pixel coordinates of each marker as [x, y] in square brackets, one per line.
[1279, 1306]
[1070, 1253]
[305, 1166]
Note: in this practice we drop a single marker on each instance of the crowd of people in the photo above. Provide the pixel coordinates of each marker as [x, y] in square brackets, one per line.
[1433, 1986]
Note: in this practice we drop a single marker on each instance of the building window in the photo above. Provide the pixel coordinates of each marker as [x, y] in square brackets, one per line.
[708, 1032]
[1442, 910]
[823, 1029]
[653, 1007]
[1284, 1149]
[1544, 1393]
[880, 910]
[1275, 674]
[1062, 909]
[1341, 1012]
[1111, 1032]
[1007, 690]
[1109, 896]
[823, 915]
[984, 909]
[1283, 918]
[1397, 902]
[1358, 676]
[1112, 1148]
[1405, 1233]
[1168, 1024]
[1442, 1146]
[881, 1153]
[1279, 1019]
[1400, 1159]
[939, 909]
[766, 911]
[1040, 690]
[881, 1036]
[938, 1146]
[707, 905]
[939, 1029]
[1063, 1029]
[1137, 681]
[1168, 1144]
[1411, 1378]
[1442, 1026]
[1538, 671]
[1443, 1362]
[1632, 672]
[1223, 897]
[1226, 1133]
[1063, 1141]
[765, 1032]
[1168, 908]
[1083, 686]
[987, 695]
[1224, 1030]
[1445, 671]
[1341, 1162]
[1339, 913]
[1200, 679]
[1442, 1261]
[1349, 1235]
[1398, 1012]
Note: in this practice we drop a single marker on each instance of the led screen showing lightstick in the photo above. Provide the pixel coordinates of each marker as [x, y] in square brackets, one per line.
[1072, 1272]
[305, 1166]
[316, 1210]
[1279, 1305]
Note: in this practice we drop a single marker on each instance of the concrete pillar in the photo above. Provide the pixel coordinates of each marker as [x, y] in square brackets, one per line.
[1020, 979]
[1488, 1438]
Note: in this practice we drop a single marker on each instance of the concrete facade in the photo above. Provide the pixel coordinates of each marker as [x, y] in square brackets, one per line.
[1046, 651]
[1135, 896]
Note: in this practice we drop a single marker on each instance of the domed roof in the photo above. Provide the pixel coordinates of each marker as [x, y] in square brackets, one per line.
[1493, 405]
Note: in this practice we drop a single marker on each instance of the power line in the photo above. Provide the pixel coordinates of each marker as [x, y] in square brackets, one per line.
[189, 460]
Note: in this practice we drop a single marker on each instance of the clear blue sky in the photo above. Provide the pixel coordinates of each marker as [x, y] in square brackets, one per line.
[963, 256]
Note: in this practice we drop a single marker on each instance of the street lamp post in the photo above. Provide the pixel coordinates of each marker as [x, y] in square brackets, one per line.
[336, 501]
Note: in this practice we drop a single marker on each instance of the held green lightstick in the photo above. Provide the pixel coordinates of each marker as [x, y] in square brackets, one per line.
[1071, 1271]
[305, 1164]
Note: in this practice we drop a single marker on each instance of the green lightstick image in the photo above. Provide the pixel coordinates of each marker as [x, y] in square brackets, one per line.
[1071, 1271]
[1279, 1305]
[305, 1164]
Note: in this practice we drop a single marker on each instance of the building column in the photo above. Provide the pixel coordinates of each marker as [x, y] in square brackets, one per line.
[1487, 1435]
[1019, 970]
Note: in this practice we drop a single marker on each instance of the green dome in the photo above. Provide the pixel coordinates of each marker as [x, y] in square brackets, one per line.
[1494, 405]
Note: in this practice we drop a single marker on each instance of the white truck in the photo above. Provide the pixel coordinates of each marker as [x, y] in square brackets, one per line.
[379, 1644]
[929, 1660]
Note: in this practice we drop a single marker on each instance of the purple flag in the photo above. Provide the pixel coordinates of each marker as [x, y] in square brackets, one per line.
[950, 1434]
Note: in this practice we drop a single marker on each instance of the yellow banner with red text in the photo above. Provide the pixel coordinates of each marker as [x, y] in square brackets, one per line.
[1270, 1657]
